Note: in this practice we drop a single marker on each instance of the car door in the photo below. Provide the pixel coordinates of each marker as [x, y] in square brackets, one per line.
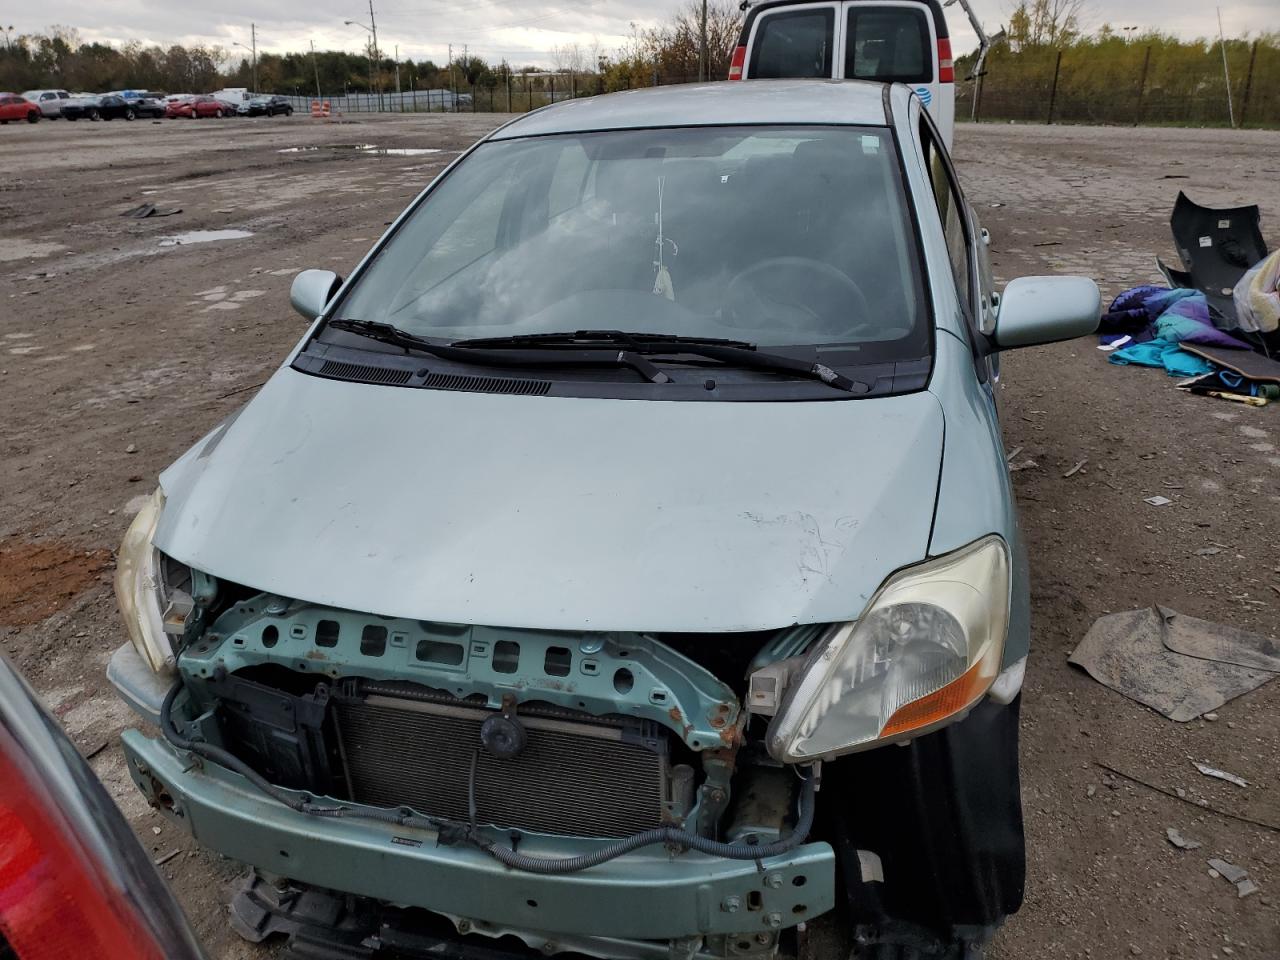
[966, 249]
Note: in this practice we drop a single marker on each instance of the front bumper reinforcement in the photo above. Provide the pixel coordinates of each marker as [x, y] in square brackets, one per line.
[646, 895]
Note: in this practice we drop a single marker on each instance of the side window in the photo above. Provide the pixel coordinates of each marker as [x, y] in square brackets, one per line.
[797, 43]
[889, 44]
[951, 211]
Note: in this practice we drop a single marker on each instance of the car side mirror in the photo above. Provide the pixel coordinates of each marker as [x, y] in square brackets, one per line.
[312, 290]
[1039, 310]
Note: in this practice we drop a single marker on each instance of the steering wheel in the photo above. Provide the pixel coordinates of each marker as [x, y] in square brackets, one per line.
[796, 293]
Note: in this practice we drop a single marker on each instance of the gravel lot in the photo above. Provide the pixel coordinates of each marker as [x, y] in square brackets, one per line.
[117, 351]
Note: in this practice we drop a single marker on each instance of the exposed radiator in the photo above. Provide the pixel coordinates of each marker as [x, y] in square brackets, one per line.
[572, 778]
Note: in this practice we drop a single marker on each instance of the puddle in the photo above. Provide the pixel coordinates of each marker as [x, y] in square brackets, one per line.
[203, 236]
[370, 149]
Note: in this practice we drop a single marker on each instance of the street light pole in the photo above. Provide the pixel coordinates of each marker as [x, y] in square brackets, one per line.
[254, 51]
[372, 47]
[373, 24]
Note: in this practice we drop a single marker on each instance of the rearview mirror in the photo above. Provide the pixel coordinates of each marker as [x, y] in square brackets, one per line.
[312, 290]
[1039, 310]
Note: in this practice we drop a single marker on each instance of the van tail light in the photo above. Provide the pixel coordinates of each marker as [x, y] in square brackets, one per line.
[946, 66]
[74, 881]
[739, 61]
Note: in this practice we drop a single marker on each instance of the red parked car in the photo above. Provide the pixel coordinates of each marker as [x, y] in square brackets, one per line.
[14, 107]
[196, 107]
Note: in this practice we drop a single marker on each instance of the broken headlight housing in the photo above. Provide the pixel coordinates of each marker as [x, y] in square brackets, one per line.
[927, 648]
[151, 599]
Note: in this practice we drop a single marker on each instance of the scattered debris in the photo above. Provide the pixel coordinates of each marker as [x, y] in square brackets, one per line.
[1025, 465]
[1179, 841]
[1076, 469]
[161, 861]
[1233, 874]
[1158, 501]
[1179, 666]
[1208, 552]
[1048, 243]
[1217, 774]
[131, 448]
[1211, 717]
[149, 210]
[1012, 456]
[1091, 790]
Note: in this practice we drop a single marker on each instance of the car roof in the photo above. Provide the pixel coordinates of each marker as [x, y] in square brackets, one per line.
[711, 104]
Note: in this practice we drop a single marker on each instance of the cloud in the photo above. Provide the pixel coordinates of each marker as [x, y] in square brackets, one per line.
[520, 32]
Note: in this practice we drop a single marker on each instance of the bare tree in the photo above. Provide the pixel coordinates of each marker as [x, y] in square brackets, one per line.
[1047, 23]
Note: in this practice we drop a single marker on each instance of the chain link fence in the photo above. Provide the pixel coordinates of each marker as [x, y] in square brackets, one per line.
[1144, 85]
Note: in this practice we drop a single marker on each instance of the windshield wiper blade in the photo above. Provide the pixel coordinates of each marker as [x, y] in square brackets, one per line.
[535, 355]
[733, 352]
[386, 333]
[587, 337]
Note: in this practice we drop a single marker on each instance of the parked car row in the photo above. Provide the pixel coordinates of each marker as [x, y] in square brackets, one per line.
[34, 105]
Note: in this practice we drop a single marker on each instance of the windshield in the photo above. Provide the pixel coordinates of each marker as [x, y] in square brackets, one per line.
[771, 235]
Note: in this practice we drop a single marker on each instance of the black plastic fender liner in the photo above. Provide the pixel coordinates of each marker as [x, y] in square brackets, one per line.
[944, 815]
[1217, 246]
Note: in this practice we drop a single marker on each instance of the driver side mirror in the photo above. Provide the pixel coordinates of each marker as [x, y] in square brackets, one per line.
[1040, 310]
[312, 290]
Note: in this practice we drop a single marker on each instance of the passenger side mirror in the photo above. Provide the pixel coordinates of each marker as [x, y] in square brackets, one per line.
[312, 290]
[1039, 310]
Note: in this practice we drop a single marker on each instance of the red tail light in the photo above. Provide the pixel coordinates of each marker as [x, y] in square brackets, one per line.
[54, 904]
[739, 61]
[946, 66]
[74, 881]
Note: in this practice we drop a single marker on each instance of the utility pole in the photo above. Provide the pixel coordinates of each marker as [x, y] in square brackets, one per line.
[703, 59]
[316, 67]
[399, 99]
[253, 36]
[453, 86]
[1231, 110]
[373, 24]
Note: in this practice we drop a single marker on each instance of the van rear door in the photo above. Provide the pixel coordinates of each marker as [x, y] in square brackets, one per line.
[902, 42]
[887, 41]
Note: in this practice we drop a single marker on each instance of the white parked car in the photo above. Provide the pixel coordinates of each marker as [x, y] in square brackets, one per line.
[49, 101]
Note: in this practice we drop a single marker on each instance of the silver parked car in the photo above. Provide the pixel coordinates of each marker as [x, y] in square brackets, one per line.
[625, 560]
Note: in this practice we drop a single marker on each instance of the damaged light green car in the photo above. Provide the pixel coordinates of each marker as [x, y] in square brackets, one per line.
[624, 564]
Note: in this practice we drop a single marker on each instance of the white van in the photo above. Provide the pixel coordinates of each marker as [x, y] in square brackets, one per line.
[890, 41]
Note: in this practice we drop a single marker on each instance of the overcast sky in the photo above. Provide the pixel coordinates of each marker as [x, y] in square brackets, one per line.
[522, 31]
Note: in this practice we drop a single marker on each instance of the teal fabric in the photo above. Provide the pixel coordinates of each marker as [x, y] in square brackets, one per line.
[1163, 353]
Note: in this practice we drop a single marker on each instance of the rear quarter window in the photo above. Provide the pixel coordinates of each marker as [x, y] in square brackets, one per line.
[793, 44]
[890, 45]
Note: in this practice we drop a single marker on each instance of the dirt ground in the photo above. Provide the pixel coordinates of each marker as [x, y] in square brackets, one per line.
[117, 351]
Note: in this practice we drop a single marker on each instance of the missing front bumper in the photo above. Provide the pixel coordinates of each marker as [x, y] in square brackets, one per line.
[644, 896]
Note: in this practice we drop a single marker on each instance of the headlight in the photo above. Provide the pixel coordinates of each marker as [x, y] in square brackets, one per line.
[926, 649]
[147, 602]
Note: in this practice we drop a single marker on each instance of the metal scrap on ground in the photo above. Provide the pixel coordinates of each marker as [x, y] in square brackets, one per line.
[1217, 774]
[1177, 665]
[1179, 841]
[1233, 874]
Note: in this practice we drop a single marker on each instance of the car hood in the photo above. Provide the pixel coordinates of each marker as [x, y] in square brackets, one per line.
[559, 513]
